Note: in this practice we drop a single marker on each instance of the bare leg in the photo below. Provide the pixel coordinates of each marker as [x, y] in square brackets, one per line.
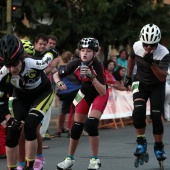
[140, 131]
[39, 140]
[94, 144]
[158, 138]
[21, 157]
[73, 146]
[31, 149]
[94, 140]
[12, 155]
[61, 121]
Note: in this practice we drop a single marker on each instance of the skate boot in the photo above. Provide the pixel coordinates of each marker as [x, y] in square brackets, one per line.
[39, 163]
[66, 164]
[141, 152]
[160, 154]
[20, 167]
[28, 168]
[94, 164]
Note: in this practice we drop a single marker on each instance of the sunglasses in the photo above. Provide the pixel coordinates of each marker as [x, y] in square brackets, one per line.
[151, 45]
[13, 64]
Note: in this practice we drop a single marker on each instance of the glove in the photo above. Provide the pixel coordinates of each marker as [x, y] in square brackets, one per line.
[53, 51]
[86, 71]
[59, 84]
[149, 58]
[15, 124]
[128, 81]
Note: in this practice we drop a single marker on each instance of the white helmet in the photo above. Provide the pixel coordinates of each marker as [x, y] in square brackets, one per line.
[150, 34]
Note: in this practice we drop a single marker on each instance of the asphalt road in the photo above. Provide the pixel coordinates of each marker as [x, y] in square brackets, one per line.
[116, 150]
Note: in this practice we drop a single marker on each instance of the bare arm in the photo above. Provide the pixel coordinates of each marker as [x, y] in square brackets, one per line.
[52, 66]
[131, 63]
[101, 89]
[160, 74]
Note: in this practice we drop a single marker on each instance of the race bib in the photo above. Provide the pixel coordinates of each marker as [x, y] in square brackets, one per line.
[135, 87]
[78, 98]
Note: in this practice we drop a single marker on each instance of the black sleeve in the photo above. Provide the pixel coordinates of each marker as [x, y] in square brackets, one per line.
[101, 77]
[70, 68]
[4, 89]
[164, 63]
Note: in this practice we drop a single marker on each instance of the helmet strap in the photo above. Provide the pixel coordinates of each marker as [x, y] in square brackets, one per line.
[23, 66]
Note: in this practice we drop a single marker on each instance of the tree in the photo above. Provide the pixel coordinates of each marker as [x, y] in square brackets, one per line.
[115, 22]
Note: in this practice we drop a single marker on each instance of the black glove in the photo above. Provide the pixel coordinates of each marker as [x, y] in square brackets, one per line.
[53, 51]
[50, 50]
[128, 81]
[149, 58]
[15, 124]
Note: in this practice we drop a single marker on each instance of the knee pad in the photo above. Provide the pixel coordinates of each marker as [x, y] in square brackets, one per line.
[139, 114]
[91, 126]
[157, 122]
[31, 123]
[76, 130]
[12, 137]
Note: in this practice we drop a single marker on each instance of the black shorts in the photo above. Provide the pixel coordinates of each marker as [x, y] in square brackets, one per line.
[64, 105]
[156, 94]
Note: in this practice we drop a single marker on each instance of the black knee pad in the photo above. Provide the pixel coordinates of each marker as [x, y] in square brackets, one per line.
[91, 126]
[157, 122]
[139, 114]
[12, 137]
[76, 130]
[31, 123]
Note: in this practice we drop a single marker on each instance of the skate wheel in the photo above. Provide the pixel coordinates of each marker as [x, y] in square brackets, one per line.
[146, 159]
[136, 162]
[141, 161]
[161, 164]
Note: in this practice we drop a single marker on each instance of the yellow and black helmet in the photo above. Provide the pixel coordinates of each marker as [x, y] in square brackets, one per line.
[28, 47]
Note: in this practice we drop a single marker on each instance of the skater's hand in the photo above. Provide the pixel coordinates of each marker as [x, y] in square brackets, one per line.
[60, 85]
[128, 81]
[148, 57]
[15, 124]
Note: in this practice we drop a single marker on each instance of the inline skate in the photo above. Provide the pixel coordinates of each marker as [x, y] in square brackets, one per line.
[141, 152]
[160, 154]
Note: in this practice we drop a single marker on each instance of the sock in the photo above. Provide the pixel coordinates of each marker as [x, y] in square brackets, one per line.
[141, 136]
[22, 163]
[40, 155]
[70, 156]
[95, 157]
[12, 167]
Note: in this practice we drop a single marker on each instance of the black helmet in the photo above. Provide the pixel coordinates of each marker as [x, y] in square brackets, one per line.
[91, 43]
[11, 49]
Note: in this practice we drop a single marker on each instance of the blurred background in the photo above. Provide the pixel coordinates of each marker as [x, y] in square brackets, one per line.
[115, 23]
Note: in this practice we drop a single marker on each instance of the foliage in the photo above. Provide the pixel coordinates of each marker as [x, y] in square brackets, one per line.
[115, 22]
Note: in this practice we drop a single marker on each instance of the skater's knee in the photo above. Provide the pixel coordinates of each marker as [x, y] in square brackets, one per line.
[139, 114]
[76, 130]
[12, 137]
[91, 126]
[31, 124]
